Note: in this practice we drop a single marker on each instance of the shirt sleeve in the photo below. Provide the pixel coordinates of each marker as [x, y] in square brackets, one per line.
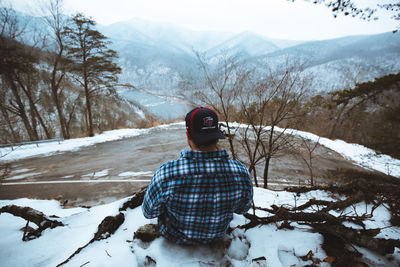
[247, 198]
[153, 202]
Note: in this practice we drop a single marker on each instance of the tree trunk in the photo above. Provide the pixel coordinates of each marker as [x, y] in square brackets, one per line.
[255, 176]
[60, 113]
[9, 124]
[88, 107]
[252, 168]
[21, 109]
[230, 140]
[268, 155]
[311, 172]
[34, 110]
[266, 168]
[232, 147]
[33, 119]
[336, 123]
[55, 88]
[46, 131]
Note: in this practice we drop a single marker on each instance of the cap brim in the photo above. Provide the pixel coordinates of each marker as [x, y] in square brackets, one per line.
[207, 137]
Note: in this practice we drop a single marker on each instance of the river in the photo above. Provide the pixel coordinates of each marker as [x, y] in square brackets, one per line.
[165, 108]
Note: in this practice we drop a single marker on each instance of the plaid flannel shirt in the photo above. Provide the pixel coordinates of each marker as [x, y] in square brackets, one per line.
[195, 196]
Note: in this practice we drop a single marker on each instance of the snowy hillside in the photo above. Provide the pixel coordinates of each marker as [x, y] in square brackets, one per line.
[269, 245]
[342, 62]
[285, 229]
[246, 44]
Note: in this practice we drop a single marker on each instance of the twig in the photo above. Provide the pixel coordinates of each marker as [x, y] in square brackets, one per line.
[26, 228]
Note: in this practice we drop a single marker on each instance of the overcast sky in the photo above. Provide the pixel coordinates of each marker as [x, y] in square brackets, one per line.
[271, 18]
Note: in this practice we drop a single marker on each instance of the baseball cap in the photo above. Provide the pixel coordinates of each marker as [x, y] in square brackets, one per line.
[202, 125]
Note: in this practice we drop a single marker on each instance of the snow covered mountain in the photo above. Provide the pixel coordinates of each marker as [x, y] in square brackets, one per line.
[344, 61]
[156, 56]
[163, 34]
[246, 44]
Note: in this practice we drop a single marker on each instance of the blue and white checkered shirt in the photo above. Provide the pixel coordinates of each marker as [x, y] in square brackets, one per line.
[195, 196]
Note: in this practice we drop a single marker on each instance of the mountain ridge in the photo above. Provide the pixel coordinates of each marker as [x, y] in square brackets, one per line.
[159, 56]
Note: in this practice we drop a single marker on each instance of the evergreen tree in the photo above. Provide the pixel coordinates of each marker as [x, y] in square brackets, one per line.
[92, 61]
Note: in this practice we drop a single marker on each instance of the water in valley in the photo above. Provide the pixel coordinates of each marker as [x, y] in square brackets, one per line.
[162, 108]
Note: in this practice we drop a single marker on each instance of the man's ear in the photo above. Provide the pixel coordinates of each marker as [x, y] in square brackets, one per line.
[189, 140]
[188, 136]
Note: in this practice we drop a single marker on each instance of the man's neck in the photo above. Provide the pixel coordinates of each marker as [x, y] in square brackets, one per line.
[203, 149]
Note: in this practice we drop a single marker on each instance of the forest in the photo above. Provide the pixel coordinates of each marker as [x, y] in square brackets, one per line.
[64, 84]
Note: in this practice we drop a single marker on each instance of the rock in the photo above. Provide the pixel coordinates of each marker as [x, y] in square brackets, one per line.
[147, 233]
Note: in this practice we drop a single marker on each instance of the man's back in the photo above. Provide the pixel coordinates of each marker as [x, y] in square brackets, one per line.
[195, 196]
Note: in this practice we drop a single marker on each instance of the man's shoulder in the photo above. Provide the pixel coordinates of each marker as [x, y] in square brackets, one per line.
[175, 163]
[238, 164]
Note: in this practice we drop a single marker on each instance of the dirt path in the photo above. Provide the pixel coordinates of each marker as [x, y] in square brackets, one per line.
[104, 172]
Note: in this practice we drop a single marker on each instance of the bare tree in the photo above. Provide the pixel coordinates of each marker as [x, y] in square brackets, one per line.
[29, 85]
[17, 60]
[350, 7]
[7, 121]
[222, 81]
[10, 26]
[271, 107]
[56, 22]
[254, 100]
[309, 147]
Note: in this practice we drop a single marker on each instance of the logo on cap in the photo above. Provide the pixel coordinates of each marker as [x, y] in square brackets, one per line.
[208, 123]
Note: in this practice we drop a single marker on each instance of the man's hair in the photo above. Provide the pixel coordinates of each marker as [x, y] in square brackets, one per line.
[205, 145]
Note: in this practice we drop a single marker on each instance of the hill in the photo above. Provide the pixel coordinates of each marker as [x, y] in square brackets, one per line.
[158, 56]
[163, 53]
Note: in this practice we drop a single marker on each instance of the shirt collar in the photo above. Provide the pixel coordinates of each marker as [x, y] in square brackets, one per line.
[204, 155]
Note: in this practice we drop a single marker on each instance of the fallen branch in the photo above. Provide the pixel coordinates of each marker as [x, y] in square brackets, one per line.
[362, 238]
[32, 215]
[340, 241]
[111, 223]
[284, 214]
[105, 229]
[135, 201]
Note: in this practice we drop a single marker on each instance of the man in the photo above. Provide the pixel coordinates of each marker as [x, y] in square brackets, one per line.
[195, 196]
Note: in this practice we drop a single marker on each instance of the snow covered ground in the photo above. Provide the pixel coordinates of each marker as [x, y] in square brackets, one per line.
[359, 154]
[279, 247]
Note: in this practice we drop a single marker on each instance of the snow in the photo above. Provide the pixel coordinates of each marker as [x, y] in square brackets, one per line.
[279, 247]
[21, 171]
[80, 181]
[358, 154]
[22, 176]
[97, 174]
[142, 173]
[362, 156]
